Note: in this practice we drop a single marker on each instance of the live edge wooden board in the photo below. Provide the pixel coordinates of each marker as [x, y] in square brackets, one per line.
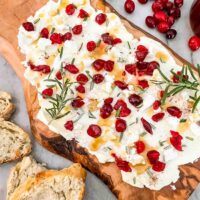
[12, 14]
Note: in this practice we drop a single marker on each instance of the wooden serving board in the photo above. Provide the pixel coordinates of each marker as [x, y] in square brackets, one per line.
[12, 14]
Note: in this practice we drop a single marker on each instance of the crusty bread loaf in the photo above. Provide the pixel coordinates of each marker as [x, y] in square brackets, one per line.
[67, 184]
[28, 167]
[6, 107]
[14, 142]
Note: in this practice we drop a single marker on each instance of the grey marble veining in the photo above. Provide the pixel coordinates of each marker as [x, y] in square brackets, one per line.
[95, 189]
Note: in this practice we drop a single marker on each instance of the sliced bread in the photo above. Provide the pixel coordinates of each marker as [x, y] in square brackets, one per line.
[6, 107]
[14, 142]
[67, 184]
[28, 167]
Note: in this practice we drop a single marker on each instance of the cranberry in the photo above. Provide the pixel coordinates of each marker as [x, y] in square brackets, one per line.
[121, 85]
[80, 89]
[176, 76]
[116, 41]
[83, 14]
[77, 30]
[69, 125]
[178, 3]
[107, 38]
[150, 22]
[160, 16]
[176, 140]
[174, 111]
[120, 125]
[161, 93]
[143, 1]
[158, 166]
[101, 18]
[47, 92]
[135, 100]
[157, 6]
[131, 68]
[156, 105]
[98, 64]
[153, 156]
[157, 117]
[141, 53]
[169, 5]
[109, 65]
[194, 43]
[129, 6]
[121, 164]
[45, 69]
[82, 79]
[67, 36]
[91, 46]
[143, 84]
[59, 75]
[108, 100]
[44, 33]
[151, 67]
[28, 26]
[163, 27]
[120, 104]
[124, 112]
[70, 9]
[147, 125]
[56, 38]
[175, 12]
[71, 68]
[140, 146]
[142, 65]
[94, 131]
[98, 78]
[77, 103]
[171, 20]
[171, 34]
[106, 111]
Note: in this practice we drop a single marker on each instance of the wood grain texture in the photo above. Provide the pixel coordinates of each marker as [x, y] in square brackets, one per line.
[12, 14]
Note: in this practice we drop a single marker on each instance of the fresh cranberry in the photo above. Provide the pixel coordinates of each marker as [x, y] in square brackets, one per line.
[116, 41]
[80, 89]
[143, 84]
[91, 46]
[77, 103]
[120, 125]
[82, 79]
[106, 111]
[56, 38]
[163, 27]
[131, 68]
[160, 16]
[157, 6]
[171, 20]
[161, 93]
[158, 166]
[151, 67]
[140, 146]
[98, 78]
[156, 105]
[47, 92]
[28, 26]
[69, 125]
[174, 111]
[150, 22]
[71, 68]
[101, 18]
[83, 14]
[176, 140]
[107, 38]
[45, 69]
[70, 9]
[169, 5]
[121, 164]
[124, 112]
[129, 6]
[120, 104]
[44, 33]
[171, 34]
[176, 76]
[135, 100]
[153, 156]
[94, 131]
[108, 100]
[77, 30]
[194, 43]
[59, 75]
[157, 117]
[109, 65]
[141, 53]
[143, 1]
[142, 65]
[175, 12]
[67, 36]
[98, 64]
[147, 126]
[121, 85]
[178, 3]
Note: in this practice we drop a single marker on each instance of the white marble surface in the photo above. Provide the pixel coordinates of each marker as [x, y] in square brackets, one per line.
[95, 189]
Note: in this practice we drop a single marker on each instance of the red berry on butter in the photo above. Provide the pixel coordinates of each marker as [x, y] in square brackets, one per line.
[120, 125]
[28, 26]
[101, 18]
[94, 131]
[69, 125]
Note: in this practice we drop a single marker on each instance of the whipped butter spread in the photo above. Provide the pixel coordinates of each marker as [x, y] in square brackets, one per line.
[99, 85]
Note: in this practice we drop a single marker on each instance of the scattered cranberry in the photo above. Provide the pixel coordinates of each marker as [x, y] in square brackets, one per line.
[147, 126]
[135, 100]
[121, 164]
[47, 92]
[69, 125]
[108, 100]
[178, 3]
[143, 1]
[140, 146]
[77, 103]
[44, 33]
[141, 53]
[131, 68]
[169, 5]
[82, 79]
[94, 131]
[124, 112]
[157, 117]
[176, 77]
[153, 156]
[83, 14]
[67, 36]
[109, 65]
[163, 27]
[107, 38]
[150, 22]
[143, 84]
[98, 78]
[120, 104]
[176, 140]
[129, 6]
[175, 12]
[170, 20]
[121, 85]
[100, 18]
[80, 89]
[77, 30]
[91, 46]
[160, 16]
[171, 34]
[142, 65]
[59, 75]
[106, 111]
[28, 26]
[71, 68]
[120, 125]
[157, 6]
[116, 41]
[70, 9]
[98, 64]
[161, 93]
[56, 38]
[151, 67]
[158, 166]
[194, 43]
[174, 111]
[156, 105]
[45, 69]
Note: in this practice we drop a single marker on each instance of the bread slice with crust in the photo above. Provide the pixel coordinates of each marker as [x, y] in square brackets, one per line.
[14, 142]
[6, 107]
[28, 167]
[67, 184]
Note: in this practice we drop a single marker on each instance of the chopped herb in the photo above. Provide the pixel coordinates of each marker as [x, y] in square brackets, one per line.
[162, 143]
[143, 134]
[91, 115]
[73, 61]
[198, 68]
[98, 43]
[183, 120]
[136, 121]
[148, 171]
[107, 22]
[128, 150]
[61, 52]
[53, 30]
[81, 47]
[107, 148]
[189, 138]
[134, 180]
[121, 60]
[118, 94]
[118, 112]
[162, 61]
[121, 137]
[91, 85]
[88, 73]
[85, 19]
[129, 46]
[167, 147]
[36, 21]
[79, 117]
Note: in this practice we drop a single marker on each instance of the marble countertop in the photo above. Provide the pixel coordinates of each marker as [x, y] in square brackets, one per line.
[9, 82]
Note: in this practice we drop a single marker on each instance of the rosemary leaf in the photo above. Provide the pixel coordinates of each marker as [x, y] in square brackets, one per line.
[121, 136]
[189, 138]
[36, 21]
[61, 52]
[91, 115]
